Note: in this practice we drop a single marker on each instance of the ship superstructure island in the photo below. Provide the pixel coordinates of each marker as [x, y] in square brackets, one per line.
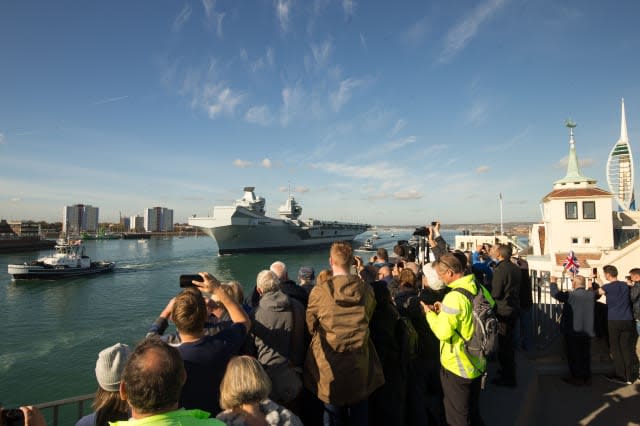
[244, 226]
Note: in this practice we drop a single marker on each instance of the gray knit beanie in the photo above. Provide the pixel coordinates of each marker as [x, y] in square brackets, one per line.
[110, 365]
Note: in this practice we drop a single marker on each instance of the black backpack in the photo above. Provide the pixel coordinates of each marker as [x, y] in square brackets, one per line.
[408, 338]
[484, 340]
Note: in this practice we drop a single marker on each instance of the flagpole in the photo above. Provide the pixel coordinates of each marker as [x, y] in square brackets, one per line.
[501, 227]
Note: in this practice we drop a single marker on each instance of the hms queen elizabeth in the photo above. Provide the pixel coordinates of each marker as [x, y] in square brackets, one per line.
[244, 226]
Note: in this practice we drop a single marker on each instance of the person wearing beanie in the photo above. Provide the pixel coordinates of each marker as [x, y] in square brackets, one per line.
[306, 278]
[107, 404]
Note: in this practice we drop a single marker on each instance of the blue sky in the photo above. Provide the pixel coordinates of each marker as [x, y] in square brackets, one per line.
[383, 112]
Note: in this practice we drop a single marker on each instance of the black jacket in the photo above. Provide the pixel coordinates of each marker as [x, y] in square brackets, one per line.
[505, 289]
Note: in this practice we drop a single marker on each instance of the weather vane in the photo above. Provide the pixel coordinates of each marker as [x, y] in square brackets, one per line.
[571, 125]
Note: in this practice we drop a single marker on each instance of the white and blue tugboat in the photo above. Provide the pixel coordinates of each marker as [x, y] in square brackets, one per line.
[67, 260]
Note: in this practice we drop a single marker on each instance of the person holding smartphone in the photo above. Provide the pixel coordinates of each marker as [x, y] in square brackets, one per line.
[205, 357]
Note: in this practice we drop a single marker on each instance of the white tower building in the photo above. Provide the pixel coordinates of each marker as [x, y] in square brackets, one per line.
[620, 168]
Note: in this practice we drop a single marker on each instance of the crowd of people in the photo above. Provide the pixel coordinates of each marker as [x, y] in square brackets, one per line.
[362, 343]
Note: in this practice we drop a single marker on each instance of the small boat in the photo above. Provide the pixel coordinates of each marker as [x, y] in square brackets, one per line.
[67, 260]
[375, 236]
[142, 240]
[368, 245]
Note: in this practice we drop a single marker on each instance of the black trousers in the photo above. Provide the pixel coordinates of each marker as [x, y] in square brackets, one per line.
[461, 399]
[622, 343]
[506, 350]
[579, 356]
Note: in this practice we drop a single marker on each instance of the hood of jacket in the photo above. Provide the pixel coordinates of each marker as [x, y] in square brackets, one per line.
[275, 301]
[347, 290]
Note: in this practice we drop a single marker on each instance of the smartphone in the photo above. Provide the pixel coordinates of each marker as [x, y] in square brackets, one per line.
[185, 280]
[12, 417]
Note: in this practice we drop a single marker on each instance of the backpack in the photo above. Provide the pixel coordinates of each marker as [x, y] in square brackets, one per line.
[484, 340]
[408, 338]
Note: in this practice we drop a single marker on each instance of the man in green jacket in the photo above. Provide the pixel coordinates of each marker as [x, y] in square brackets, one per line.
[151, 383]
[452, 321]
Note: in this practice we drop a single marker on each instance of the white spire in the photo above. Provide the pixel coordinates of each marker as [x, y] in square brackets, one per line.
[624, 136]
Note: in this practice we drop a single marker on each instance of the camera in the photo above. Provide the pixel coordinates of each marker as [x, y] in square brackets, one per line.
[423, 231]
[186, 280]
[434, 223]
[12, 417]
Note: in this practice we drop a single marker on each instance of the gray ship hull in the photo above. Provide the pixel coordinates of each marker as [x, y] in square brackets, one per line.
[244, 227]
[240, 238]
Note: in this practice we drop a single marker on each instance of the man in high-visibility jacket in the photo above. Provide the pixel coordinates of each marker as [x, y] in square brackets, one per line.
[452, 320]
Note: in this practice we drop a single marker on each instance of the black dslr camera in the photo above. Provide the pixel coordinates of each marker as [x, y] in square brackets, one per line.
[423, 231]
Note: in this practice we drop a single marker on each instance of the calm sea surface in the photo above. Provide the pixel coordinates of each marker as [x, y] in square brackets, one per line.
[51, 331]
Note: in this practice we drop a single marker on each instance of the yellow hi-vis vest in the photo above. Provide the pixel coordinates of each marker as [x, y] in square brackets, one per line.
[457, 314]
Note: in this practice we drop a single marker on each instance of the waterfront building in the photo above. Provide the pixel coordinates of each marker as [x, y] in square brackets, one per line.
[25, 229]
[579, 217]
[158, 219]
[135, 223]
[80, 218]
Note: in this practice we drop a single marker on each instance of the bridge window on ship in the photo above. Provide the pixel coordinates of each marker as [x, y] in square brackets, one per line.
[587, 240]
[571, 210]
[588, 209]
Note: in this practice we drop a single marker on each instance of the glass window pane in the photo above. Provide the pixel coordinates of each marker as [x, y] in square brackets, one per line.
[571, 210]
[589, 209]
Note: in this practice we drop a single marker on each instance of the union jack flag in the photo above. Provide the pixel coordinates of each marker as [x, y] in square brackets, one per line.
[571, 263]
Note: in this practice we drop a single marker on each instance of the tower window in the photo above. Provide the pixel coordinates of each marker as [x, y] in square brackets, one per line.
[574, 240]
[588, 209]
[587, 240]
[571, 210]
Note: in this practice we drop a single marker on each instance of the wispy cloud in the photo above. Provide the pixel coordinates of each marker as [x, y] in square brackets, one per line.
[342, 94]
[296, 189]
[2, 141]
[182, 18]
[582, 162]
[266, 163]
[378, 171]
[415, 34]
[321, 52]
[214, 18]
[398, 143]
[478, 113]
[482, 169]
[109, 100]
[460, 35]
[283, 10]
[292, 104]
[363, 41]
[348, 7]
[218, 99]
[400, 124]
[261, 62]
[258, 115]
[243, 164]
[514, 141]
[410, 194]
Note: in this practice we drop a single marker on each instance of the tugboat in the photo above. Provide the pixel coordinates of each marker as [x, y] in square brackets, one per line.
[68, 260]
[368, 245]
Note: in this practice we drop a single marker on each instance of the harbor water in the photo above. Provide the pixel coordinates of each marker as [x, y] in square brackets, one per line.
[52, 331]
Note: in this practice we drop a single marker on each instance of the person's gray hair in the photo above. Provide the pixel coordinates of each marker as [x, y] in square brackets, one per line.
[280, 269]
[267, 281]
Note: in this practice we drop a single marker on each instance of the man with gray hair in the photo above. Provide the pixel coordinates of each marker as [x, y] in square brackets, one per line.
[277, 339]
[577, 327]
[289, 287]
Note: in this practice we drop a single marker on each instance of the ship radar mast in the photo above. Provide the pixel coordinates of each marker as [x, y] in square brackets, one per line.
[620, 168]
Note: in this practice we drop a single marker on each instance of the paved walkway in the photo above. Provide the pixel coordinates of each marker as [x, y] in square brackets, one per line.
[542, 398]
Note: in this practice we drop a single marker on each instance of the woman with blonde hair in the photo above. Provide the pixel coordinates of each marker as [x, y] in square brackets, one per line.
[244, 397]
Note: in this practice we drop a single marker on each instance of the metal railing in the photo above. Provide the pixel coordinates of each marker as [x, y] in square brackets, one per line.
[547, 311]
[51, 410]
